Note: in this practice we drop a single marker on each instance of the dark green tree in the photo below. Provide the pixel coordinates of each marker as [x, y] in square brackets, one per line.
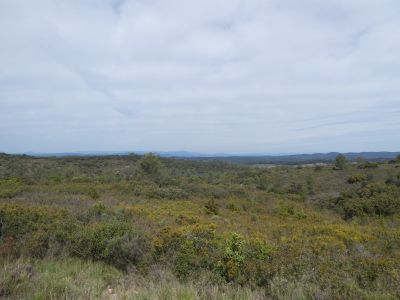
[340, 162]
[150, 164]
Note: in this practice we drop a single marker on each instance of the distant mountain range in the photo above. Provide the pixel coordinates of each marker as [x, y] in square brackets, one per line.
[303, 158]
[240, 158]
[177, 154]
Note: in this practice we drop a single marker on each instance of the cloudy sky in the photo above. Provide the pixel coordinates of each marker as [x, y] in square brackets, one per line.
[237, 76]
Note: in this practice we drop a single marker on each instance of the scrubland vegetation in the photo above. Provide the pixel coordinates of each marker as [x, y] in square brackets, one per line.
[131, 227]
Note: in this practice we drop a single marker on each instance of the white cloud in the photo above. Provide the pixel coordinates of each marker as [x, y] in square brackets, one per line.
[232, 76]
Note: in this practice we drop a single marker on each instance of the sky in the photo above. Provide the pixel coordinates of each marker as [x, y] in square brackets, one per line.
[233, 76]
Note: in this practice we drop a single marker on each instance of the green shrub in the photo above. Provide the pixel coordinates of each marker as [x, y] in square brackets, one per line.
[133, 249]
[9, 181]
[394, 180]
[92, 193]
[54, 180]
[37, 244]
[358, 177]
[10, 187]
[233, 258]
[149, 165]
[245, 261]
[186, 220]
[97, 211]
[98, 208]
[296, 188]
[197, 251]
[189, 249]
[168, 193]
[232, 206]
[9, 192]
[115, 243]
[368, 165]
[18, 220]
[371, 199]
[80, 179]
[284, 210]
[211, 207]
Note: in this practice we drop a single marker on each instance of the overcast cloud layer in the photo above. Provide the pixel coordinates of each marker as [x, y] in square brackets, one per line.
[212, 76]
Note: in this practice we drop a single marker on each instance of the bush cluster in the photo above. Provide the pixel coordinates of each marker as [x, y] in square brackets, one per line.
[358, 177]
[371, 199]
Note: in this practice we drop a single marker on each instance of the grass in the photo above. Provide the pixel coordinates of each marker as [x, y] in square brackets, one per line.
[56, 279]
[77, 279]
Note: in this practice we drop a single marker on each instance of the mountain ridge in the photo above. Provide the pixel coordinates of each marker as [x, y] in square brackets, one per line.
[278, 158]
